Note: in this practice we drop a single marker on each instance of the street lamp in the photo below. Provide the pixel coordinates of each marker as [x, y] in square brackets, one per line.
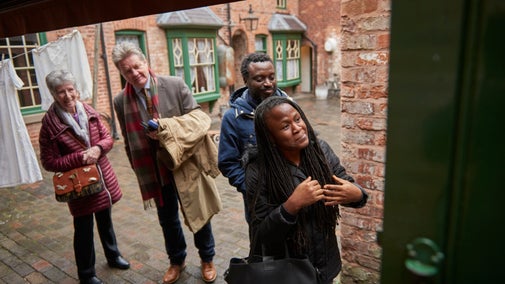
[251, 21]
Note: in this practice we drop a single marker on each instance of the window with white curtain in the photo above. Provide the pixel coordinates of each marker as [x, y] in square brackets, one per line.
[193, 58]
[287, 59]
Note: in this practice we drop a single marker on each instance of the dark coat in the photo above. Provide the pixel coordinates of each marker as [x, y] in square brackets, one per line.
[273, 226]
[237, 133]
[60, 151]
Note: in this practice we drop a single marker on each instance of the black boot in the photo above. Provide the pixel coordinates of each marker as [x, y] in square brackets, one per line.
[92, 280]
[118, 262]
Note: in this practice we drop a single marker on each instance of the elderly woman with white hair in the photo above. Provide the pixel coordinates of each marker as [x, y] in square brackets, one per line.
[72, 136]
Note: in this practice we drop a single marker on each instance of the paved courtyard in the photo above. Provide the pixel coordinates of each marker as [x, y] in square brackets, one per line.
[36, 232]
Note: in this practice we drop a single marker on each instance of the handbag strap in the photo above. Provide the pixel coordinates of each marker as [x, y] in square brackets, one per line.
[77, 139]
[264, 257]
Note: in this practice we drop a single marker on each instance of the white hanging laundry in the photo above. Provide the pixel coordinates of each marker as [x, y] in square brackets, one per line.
[68, 53]
[18, 162]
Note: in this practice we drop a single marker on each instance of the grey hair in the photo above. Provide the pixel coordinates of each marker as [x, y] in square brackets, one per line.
[59, 77]
[125, 49]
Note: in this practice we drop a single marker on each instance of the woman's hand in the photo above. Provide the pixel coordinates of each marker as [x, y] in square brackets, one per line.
[306, 193]
[343, 192]
[92, 155]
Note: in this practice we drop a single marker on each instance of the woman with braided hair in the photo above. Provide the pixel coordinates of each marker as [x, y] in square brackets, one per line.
[295, 183]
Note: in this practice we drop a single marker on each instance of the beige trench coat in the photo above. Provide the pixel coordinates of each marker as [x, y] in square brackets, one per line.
[190, 153]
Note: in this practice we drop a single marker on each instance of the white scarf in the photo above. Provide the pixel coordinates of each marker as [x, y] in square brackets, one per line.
[80, 129]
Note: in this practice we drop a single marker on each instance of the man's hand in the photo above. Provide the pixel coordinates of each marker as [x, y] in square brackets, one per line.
[153, 134]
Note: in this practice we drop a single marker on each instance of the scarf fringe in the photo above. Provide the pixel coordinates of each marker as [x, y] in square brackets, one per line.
[149, 204]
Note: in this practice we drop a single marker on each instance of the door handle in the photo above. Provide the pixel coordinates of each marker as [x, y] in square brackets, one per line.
[423, 257]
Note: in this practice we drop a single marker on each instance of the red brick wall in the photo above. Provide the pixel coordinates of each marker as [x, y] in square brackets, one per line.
[364, 81]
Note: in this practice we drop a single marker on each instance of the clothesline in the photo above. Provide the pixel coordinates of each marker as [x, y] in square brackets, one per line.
[17, 55]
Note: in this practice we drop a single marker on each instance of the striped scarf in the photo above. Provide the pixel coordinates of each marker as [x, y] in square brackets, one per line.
[142, 149]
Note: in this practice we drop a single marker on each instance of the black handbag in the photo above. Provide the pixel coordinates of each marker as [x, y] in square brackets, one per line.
[267, 270]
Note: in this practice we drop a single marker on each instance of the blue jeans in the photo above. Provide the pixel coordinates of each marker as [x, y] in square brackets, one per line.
[175, 244]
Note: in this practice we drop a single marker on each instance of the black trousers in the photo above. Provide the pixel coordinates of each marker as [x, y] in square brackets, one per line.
[84, 248]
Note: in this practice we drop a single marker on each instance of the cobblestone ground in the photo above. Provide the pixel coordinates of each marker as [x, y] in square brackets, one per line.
[36, 232]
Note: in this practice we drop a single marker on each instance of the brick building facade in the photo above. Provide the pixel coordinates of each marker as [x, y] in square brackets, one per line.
[364, 81]
[341, 41]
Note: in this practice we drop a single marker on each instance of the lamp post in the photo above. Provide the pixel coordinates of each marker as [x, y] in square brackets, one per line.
[251, 21]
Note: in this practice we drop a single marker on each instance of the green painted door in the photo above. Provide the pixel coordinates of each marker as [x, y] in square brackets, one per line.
[445, 166]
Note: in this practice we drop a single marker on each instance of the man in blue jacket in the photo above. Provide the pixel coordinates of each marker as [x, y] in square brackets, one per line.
[237, 126]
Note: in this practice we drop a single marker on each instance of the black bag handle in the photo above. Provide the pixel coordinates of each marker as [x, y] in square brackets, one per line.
[264, 257]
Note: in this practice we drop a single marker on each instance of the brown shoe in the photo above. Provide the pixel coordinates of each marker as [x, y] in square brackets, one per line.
[173, 273]
[208, 272]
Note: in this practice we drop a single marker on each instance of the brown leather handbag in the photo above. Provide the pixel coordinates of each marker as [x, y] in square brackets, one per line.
[77, 183]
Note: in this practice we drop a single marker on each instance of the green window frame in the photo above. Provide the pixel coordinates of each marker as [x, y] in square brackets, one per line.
[19, 50]
[260, 43]
[287, 61]
[193, 57]
[281, 4]
[134, 36]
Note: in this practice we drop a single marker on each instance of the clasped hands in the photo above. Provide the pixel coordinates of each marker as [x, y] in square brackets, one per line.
[91, 155]
[310, 191]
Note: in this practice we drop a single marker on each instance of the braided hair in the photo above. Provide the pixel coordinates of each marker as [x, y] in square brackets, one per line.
[274, 170]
